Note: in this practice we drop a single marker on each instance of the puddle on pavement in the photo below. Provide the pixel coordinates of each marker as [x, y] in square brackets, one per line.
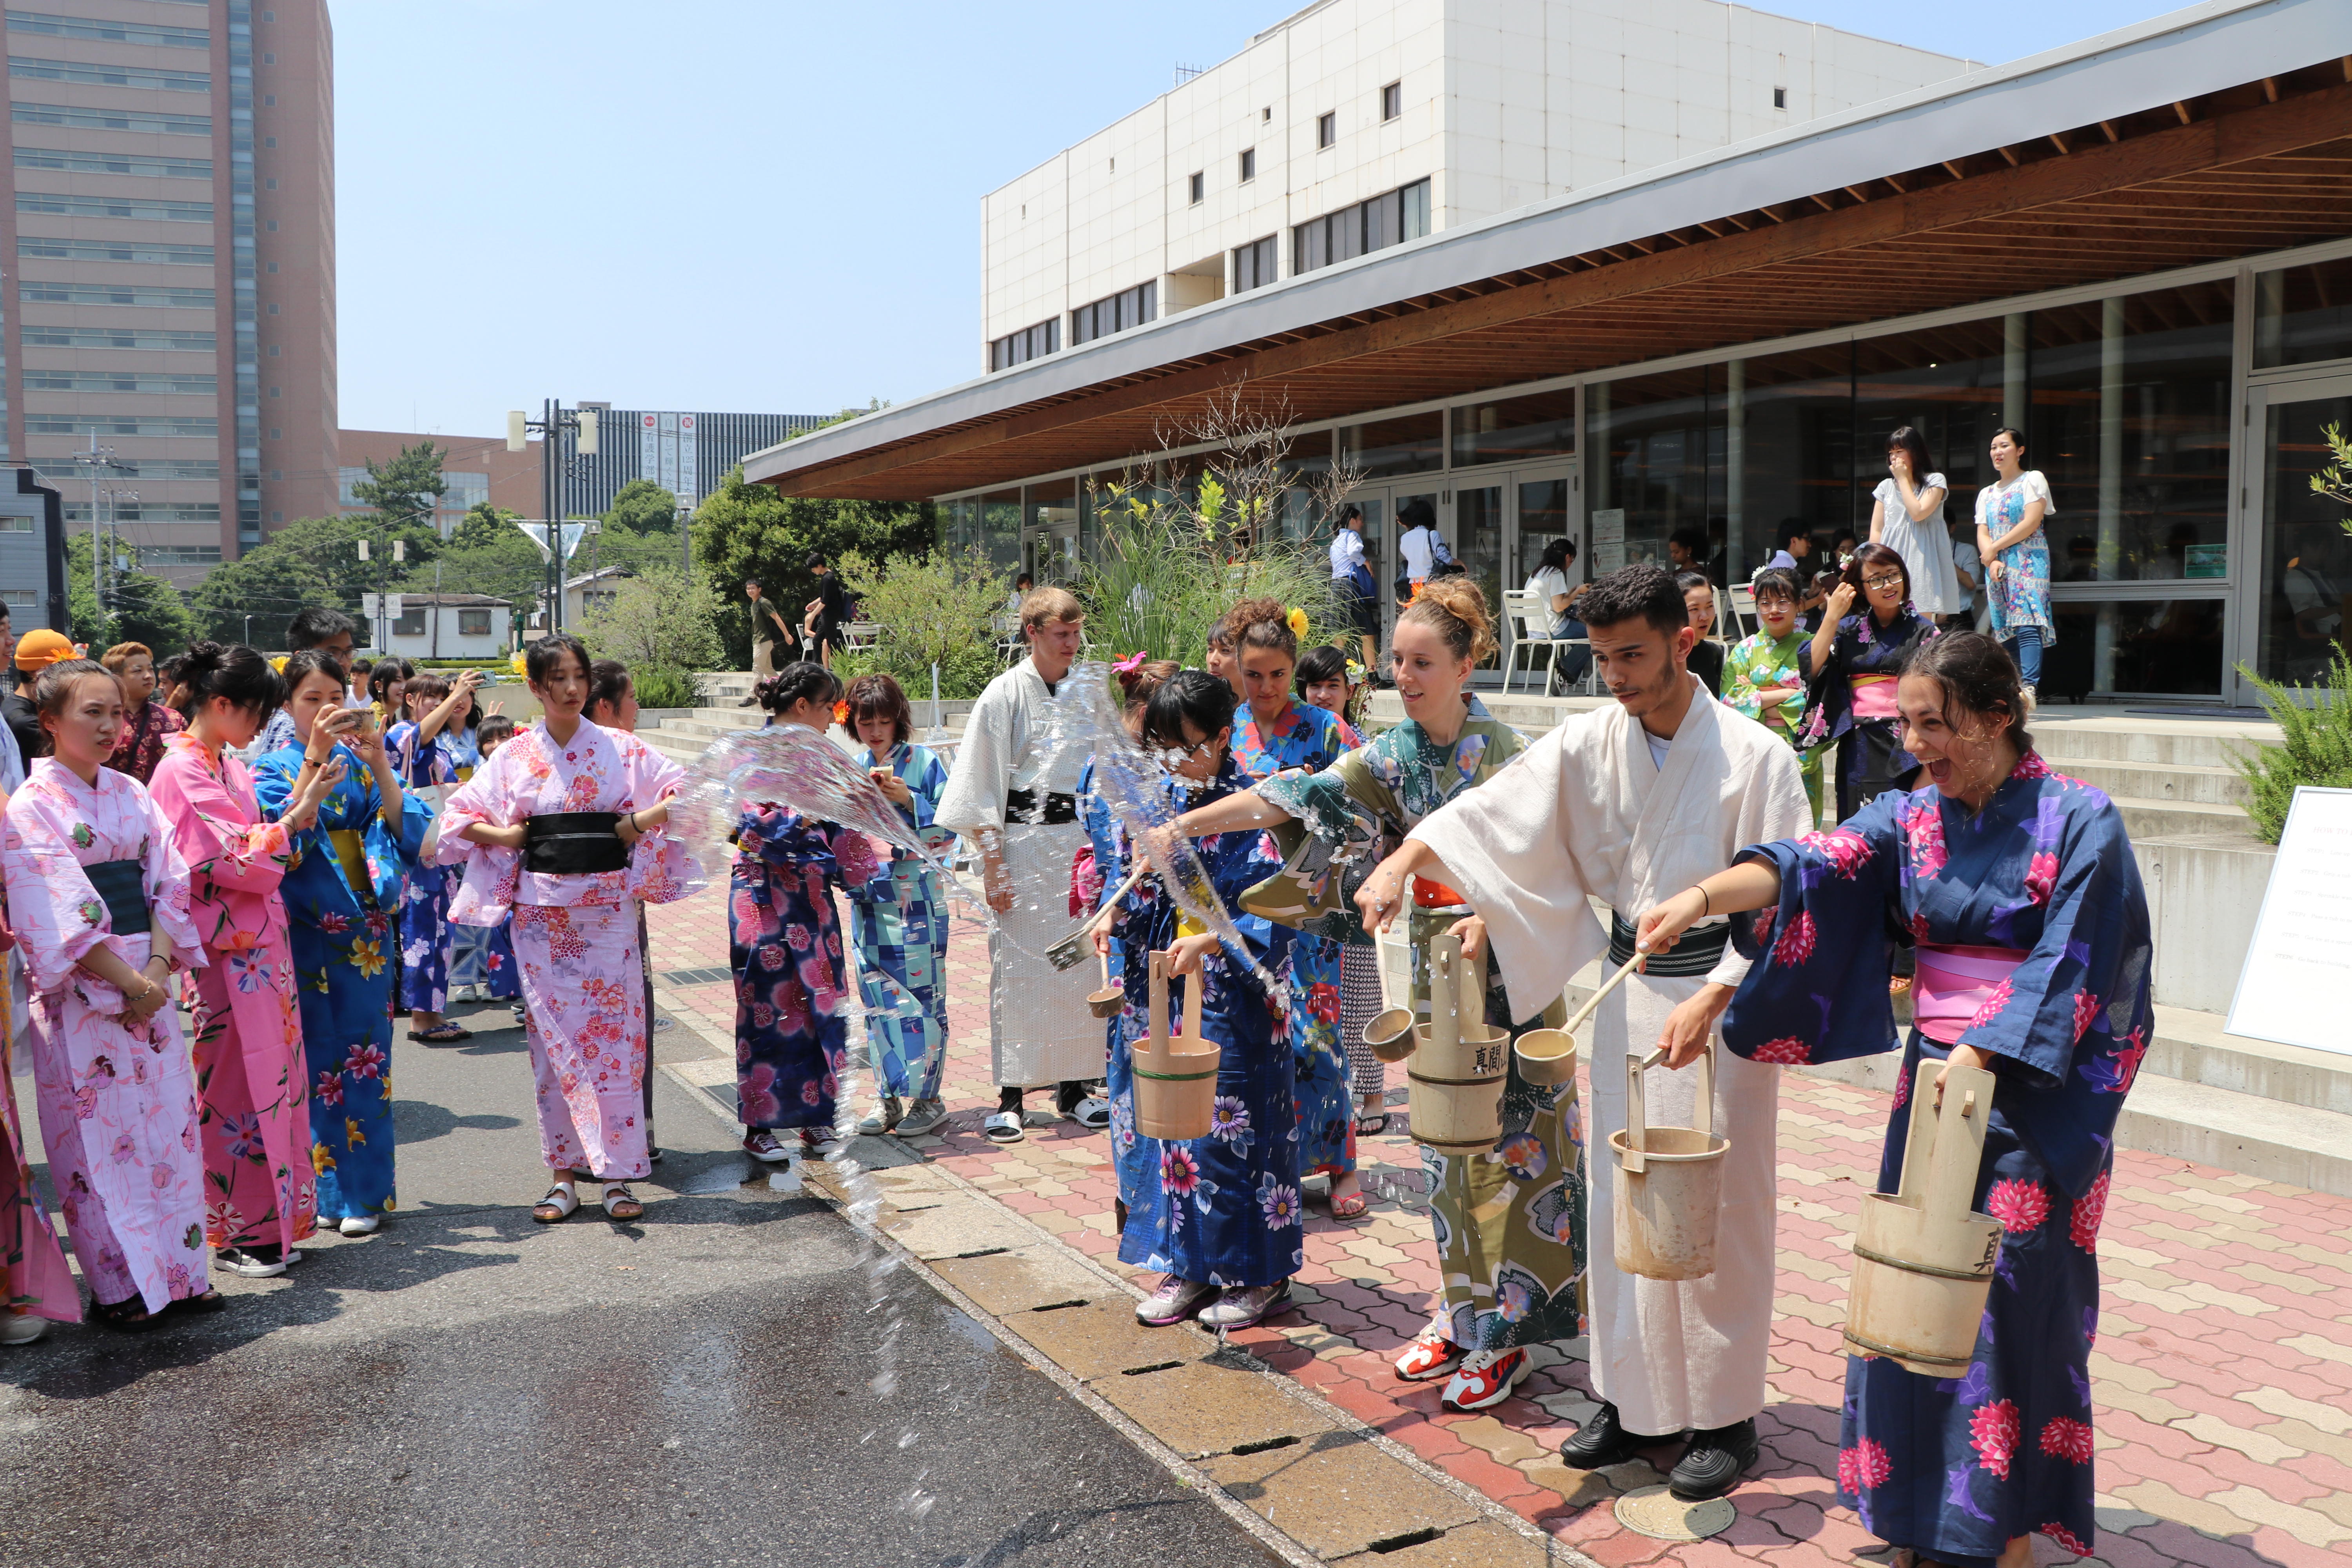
[724, 1177]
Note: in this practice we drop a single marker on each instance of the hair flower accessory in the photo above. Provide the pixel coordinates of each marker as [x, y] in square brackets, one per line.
[1296, 620]
[840, 713]
[1130, 664]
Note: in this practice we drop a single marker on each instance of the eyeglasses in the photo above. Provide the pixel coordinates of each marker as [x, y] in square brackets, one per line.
[1880, 584]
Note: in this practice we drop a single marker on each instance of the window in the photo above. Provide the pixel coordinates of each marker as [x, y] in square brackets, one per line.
[273, 350]
[473, 623]
[2303, 315]
[1266, 116]
[269, 185]
[116, 294]
[108, 76]
[276, 433]
[269, 142]
[268, 100]
[1407, 443]
[111, 32]
[269, 60]
[1028, 343]
[81, 163]
[1540, 425]
[273, 225]
[273, 309]
[1253, 264]
[87, 118]
[1327, 129]
[273, 266]
[142, 207]
[118, 338]
[1392, 100]
[1127, 307]
[1249, 164]
[1779, 98]
[1198, 184]
[1391, 218]
[408, 623]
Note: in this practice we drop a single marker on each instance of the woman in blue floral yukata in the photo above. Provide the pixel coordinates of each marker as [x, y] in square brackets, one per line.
[792, 1040]
[899, 919]
[425, 748]
[2018, 888]
[340, 891]
[1274, 733]
[1510, 1224]
[1223, 1221]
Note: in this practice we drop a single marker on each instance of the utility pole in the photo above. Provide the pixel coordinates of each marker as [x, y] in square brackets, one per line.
[97, 457]
[564, 439]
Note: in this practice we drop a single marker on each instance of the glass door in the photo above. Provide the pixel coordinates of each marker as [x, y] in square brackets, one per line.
[1482, 542]
[2302, 573]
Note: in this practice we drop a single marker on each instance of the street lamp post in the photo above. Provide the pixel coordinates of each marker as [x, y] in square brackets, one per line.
[564, 439]
[248, 638]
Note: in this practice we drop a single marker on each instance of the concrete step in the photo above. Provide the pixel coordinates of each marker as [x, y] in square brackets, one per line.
[2194, 1048]
[2181, 818]
[2157, 783]
[2086, 734]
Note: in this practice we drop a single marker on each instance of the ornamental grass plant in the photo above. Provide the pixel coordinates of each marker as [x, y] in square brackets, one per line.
[2314, 748]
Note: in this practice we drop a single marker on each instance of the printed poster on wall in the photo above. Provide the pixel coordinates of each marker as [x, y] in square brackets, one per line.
[689, 473]
[668, 480]
[1608, 542]
[2299, 968]
[649, 448]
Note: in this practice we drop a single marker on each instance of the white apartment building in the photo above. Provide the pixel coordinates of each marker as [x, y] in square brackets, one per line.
[1355, 124]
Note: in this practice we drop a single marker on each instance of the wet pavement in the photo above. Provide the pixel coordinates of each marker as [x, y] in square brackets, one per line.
[467, 1386]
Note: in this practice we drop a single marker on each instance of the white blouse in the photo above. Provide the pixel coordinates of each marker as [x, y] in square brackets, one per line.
[1925, 550]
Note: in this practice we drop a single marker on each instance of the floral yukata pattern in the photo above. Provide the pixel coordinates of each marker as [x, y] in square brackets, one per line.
[251, 1080]
[1955, 1468]
[899, 923]
[422, 902]
[792, 1039]
[1309, 739]
[117, 1102]
[340, 937]
[1224, 1209]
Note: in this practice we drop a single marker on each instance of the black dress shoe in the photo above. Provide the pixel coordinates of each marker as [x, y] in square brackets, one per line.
[1602, 1441]
[1711, 1466]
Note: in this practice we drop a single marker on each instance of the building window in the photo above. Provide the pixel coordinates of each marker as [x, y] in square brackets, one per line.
[1391, 218]
[408, 624]
[269, 142]
[1327, 129]
[273, 350]
[1265, 115]
[273, 225]
[1392, 100]
[2303, 315]
[269, 60]
[1249, 164]
[1127, 307]
[276, 433]
[273, 391]
[278, 517]
[473, 623]
[1028, 343]
[1199, 186]
[268, 100]
[1253, 264]
[1779, 98]
[273, 266]
[269, 184]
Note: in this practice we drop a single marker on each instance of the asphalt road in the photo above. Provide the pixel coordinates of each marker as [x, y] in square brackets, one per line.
[469, 1387]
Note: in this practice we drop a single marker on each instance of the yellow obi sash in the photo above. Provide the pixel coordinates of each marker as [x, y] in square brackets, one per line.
[350, 851]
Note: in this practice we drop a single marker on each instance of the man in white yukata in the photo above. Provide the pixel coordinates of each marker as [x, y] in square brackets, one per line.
[1012, 792]
[1630, 804]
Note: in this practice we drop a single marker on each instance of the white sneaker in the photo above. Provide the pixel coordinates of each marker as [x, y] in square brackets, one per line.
[21, 1328]
[360, 1223]
[1175, 1301]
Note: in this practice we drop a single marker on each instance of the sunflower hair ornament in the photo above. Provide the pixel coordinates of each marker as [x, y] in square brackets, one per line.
[1296, 621]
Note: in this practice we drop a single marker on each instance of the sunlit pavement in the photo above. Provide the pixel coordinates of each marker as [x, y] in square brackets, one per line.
[2222, 1377]
[467, 1386]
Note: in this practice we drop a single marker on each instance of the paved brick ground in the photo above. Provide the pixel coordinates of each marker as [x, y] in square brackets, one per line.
[2223, 1373]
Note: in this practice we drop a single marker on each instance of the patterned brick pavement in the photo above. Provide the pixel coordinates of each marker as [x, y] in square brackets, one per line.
[2222, 1377]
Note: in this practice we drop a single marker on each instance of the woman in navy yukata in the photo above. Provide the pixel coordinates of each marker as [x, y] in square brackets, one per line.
[1222, 1219]
[2019, 890]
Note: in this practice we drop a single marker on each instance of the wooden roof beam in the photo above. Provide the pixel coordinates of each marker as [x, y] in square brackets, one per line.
[2109, 127]
[2270, 88]
[2181, 109]
[1954, 168]
[2058, 139]
[1823, 203]
[1857, 192]
[2011, 154]
[1896, 180]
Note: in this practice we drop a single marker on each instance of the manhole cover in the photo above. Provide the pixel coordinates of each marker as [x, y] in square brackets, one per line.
[1657, 1514]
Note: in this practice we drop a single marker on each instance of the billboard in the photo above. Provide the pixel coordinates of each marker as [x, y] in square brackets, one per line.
[667, 454]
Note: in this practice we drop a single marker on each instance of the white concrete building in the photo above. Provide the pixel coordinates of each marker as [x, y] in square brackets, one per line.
[450, 626]
[1357, 123]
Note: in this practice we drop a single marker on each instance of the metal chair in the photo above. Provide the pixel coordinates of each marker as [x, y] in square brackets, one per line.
[1739, 610]
[1529, 623]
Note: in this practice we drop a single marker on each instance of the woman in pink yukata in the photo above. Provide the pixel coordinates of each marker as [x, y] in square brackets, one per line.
[252, 1086]
[564, 826]
[100, 902]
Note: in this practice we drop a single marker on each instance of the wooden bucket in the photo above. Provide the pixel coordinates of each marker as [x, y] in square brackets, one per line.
[1922, 1262]
[1459, 1063]
[1391, 1035]
[1546, 1057]
[1175, 1079]
[1669, 1183]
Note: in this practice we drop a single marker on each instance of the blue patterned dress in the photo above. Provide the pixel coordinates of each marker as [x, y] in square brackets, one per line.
[791, 1039]
[1224, 1209]
[1310, 739]
[899, 922]
[338, 927]
[1955, 1468]
[424, 928]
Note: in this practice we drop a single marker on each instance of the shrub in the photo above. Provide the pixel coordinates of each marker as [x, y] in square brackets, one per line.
[659, 686]
[2316, 749]
[659, 619]
[938, 608]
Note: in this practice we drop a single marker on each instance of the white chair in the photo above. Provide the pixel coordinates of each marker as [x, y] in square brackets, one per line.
[1739, 608]
[1529, 621]
[861, 635]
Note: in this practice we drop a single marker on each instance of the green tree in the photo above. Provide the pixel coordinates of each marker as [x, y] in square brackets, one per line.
[940, 609]
[484, 524]
[746, 531]
[269, 583]
[407, 488]
[662, 620]
[140, 606]
[644, 506]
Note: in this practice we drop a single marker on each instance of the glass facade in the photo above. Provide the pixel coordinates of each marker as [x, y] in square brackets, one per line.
[1408, 444]
[1515, 429]
[2304, 559]
[2303, 315]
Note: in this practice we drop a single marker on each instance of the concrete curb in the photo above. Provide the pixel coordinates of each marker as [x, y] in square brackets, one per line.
[1159, 1431]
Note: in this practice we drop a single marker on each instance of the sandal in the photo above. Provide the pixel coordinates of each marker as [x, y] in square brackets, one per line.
[210, 1301]
[559, 1204]
[442, 1034]
[1004, 1127]
[620, 1203]
[1093, 1113]
[130, 1314]
[1371, 1123]
[1352, 1206]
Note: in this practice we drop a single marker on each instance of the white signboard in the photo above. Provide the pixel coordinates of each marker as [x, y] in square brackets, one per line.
[668, 480]
[1608, 540]
[649, 448]
[689, 474]
[2299, 968]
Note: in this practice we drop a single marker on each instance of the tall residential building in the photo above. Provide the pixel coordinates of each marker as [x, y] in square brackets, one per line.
[1353, 125]
[171, 294]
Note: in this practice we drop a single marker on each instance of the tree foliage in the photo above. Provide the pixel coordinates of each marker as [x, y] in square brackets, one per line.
[269, 583]
[407, 489]
[662, 624]
[484, 524]
[2316, 744]
[935, 609]
[140, 606]
[644, 506]
[745, 531]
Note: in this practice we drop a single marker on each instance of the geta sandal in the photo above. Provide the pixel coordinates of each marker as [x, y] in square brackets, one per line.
[441, 1035]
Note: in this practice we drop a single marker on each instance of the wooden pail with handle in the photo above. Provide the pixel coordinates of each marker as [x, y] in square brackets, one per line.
[1175, 1077]
[1922, 1261]
[1459, 1061]
[1669, 1183]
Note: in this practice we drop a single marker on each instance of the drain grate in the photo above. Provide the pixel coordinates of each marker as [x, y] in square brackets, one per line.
[1269, 1444]
[984, 1252]
[1410, 1538]
[698, 976]
[1057, 1306]
[1155, 1366]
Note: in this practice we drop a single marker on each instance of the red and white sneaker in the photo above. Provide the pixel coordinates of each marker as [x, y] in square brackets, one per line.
[1430, 1355]
[1484, 1378]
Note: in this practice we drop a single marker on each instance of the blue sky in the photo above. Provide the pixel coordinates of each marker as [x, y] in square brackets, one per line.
[744, 205]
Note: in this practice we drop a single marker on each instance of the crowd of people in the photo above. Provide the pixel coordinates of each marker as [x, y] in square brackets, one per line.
[309, 899]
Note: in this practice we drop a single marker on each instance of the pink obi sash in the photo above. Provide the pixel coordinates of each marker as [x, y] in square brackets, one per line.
[1954, 982]
[1873, 697]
